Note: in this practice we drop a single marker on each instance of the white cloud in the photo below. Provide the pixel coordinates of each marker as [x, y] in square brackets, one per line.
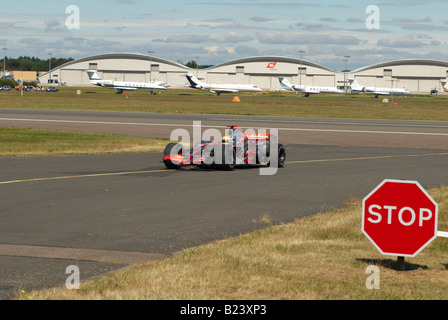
[296, 38]
[231, 37]
[53, 25]
[218, 31]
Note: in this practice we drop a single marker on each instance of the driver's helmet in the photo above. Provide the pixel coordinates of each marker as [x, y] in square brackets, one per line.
[227, 139]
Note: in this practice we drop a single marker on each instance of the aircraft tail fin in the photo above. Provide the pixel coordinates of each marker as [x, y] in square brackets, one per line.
[354, 84]
[194, 82]
[93, 75]
[445, 86]
[284, 82]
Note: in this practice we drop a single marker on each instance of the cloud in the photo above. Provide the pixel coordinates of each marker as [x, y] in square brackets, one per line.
[328, 19]
[275, 5]
[218, 31]
[6, 25]
[231, 37]
[246, 50]
[307, 38]
[32, 42]
[219, 20]
[355, 20]
[53, 25]
[120, 27]
[75, 41]
[416, 24]
[259, 19]
[400, 43]
[412, 20]
[407, 42]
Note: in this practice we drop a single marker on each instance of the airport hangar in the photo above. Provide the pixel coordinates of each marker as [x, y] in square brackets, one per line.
[418, 76]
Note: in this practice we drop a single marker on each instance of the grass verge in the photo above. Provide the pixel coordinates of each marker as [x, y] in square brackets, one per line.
[321, 257]
[354, 106]
[33, 142]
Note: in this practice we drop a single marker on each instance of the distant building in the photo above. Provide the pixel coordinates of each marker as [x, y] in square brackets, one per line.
[5, 74]
[265, 71]
[118, 67]
[25, 75]
[418, 76]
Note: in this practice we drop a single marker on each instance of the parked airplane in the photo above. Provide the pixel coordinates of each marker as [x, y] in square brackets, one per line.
[356, 87]
[120, 86]
[307, 89]
[220, 88]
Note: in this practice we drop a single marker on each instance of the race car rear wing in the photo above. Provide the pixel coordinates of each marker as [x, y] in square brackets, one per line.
[258, 136]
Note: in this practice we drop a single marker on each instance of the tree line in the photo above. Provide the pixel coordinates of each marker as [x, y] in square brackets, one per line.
[194, 65]
[25, 63]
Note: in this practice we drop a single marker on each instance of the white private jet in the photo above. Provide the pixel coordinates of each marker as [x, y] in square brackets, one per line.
[220, 88]
[121, 86]
[307, 89]
[356, 87]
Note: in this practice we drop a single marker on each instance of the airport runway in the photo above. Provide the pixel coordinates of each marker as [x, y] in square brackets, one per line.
[314, 131]
[107, 212]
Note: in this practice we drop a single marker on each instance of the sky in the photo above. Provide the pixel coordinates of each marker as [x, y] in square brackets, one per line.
[213, 32]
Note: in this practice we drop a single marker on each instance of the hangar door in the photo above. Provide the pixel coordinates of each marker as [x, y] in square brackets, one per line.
[323, 81]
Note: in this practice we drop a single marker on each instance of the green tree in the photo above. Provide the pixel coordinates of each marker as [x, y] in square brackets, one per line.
[26, 65]
[8, 82]
[192, 64]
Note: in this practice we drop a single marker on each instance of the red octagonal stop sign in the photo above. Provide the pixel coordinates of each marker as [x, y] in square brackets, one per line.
[399, 218]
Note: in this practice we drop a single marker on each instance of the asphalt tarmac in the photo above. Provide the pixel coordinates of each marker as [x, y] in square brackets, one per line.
[103, 213]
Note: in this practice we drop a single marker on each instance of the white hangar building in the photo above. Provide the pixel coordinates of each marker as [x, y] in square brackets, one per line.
[260, 71]
[264, 72]
[418, 76]
[118, 67]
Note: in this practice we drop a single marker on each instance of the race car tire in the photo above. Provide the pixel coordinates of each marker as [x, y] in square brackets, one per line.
[177, 149]
[227, 163]
[281, 156]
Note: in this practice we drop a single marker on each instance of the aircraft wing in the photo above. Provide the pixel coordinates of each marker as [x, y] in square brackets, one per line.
[156, 85]
[311, 91]
[383, 93]
[225, 91]
[125, 88]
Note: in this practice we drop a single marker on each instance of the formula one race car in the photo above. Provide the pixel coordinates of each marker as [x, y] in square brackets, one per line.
[235, 149]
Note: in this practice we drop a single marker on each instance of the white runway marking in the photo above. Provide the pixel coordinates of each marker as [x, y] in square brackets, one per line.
[208, 126]
[338, 122]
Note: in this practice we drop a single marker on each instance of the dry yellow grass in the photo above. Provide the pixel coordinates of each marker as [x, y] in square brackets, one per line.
[321, 257]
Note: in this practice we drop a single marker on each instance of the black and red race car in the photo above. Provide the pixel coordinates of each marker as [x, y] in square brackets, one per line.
[236, 149]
